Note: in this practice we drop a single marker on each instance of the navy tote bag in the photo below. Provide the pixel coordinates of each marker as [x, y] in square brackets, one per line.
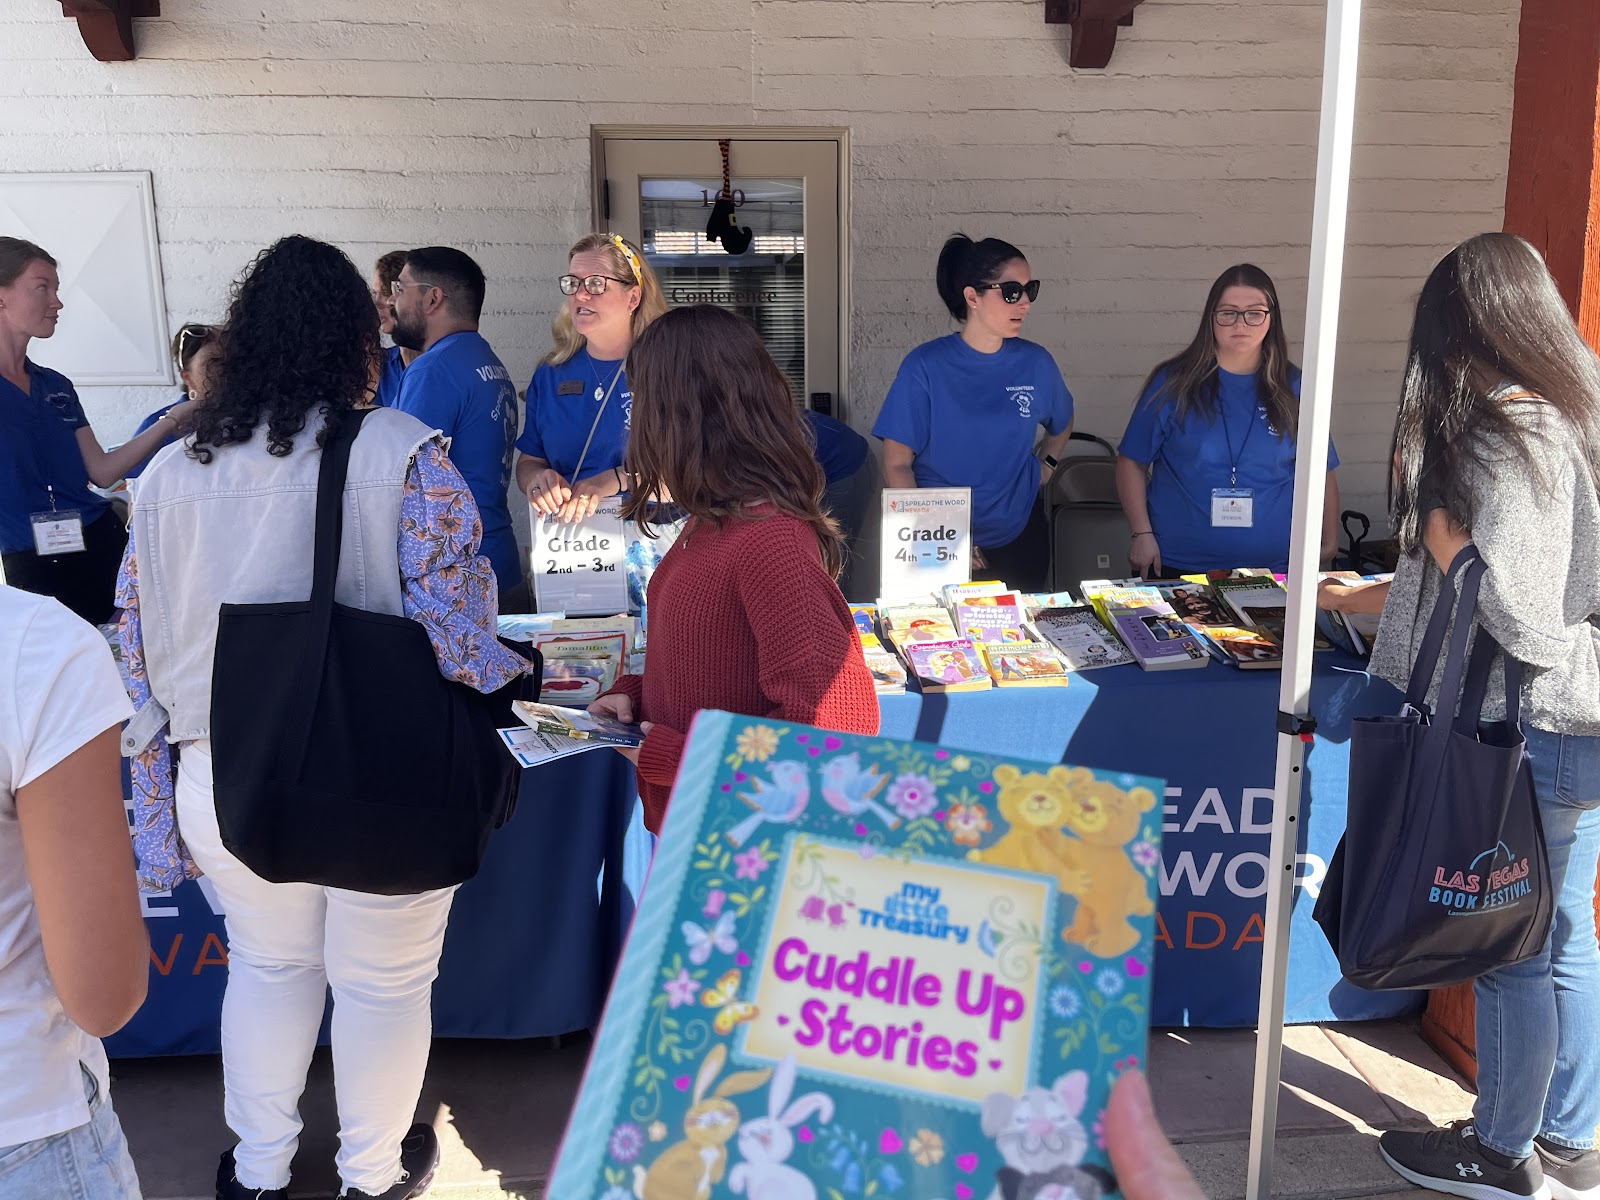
[1441, 875]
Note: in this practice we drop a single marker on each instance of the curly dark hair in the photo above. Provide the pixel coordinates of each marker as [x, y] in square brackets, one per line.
[301, 334]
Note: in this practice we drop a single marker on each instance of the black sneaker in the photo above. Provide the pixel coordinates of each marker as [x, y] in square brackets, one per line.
[1569, 1178]
[1451, 1161]
[229, 1187]
[419, 1159]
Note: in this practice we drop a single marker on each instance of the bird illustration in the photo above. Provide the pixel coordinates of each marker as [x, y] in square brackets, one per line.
[850, 790]
[782, 801]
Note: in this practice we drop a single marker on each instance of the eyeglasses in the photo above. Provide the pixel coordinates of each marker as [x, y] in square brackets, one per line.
[400, 285]
[1252, 316]
[1011, 291]
[595, 285]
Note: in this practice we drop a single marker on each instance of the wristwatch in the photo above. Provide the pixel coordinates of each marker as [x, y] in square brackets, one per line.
[1050, 461]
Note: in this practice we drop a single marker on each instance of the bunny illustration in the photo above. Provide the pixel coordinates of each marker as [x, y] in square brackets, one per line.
[766, 1142]
[687, 1170]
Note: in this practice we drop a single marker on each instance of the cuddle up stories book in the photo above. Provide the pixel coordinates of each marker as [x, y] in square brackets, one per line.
[865, 968]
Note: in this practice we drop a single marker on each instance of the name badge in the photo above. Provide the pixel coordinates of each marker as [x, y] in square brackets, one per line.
[1232, 508]
[57, 532]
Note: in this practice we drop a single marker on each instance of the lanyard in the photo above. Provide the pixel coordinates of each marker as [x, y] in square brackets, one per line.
[584, 453]
[1233, 459]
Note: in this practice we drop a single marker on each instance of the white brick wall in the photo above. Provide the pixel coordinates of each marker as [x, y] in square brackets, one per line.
[1130, 189]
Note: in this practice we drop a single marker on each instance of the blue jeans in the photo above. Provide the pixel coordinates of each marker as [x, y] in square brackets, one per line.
[90, 1162]
[1538, 1023]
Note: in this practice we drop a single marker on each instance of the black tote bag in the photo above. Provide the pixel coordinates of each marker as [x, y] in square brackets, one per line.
[1441, 875]
[341, 756]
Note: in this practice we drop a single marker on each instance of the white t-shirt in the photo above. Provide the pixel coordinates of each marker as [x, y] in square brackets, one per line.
[59, 689]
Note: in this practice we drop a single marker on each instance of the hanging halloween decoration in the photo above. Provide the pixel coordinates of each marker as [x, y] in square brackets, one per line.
[723, 226]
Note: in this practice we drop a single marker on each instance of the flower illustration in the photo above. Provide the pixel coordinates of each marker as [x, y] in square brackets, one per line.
[1065, 1002]
[1100, 1131]
[626, 1141]
[757, 742]
[889, 1179]
[713, 904]
[749, 864]
[927, 1148]
[912, 795]
[811, 908]
[960, 763]
[656, 1132]
[1108, 983]
[681, 989]
[835, 915]
[616, 1193]
[1144, 853]
[967, 823]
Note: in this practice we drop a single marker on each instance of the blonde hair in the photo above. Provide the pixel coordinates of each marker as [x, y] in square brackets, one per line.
[626, 262]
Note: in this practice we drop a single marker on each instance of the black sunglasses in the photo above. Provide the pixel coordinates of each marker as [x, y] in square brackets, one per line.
[1011, 291]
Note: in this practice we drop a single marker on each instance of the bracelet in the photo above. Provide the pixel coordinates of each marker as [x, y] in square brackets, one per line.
[1144, 533]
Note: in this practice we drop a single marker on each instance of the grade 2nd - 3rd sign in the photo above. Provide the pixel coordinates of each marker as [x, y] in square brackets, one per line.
[580, 569]
[926, 540]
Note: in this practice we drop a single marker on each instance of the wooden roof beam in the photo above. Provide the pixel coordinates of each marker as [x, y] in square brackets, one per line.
[106, 26]
[1094, 27]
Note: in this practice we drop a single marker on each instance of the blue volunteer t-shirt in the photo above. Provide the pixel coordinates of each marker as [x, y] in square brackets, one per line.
[1190, 458]
[562, 409]
[840, 449]
[970, 419]
[389, 379]
[138, 468]
[39, 452]
[458, 386]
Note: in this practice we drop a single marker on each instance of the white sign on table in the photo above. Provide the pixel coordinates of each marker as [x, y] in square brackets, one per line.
[927, 540]
[580, 569]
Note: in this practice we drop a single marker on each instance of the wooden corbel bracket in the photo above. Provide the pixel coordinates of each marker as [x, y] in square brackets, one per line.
[106, 26]
[1094, 26]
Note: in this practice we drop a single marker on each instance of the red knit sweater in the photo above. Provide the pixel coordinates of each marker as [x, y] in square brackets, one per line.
[744, 618]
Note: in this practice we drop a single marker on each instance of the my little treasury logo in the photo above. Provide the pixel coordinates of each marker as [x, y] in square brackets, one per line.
[1495, 879]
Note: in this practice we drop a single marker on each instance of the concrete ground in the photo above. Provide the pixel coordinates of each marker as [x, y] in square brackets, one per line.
[500, 1108]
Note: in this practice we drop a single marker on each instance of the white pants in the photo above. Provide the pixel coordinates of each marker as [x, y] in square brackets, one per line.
[288, 943]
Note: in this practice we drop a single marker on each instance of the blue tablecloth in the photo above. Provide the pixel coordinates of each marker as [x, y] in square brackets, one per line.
[532, 939]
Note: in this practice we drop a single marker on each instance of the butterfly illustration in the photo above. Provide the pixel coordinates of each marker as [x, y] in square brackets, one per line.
[718, 937]
[724, 997]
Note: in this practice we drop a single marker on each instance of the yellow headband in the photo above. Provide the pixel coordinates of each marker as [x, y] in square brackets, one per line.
[633, 259]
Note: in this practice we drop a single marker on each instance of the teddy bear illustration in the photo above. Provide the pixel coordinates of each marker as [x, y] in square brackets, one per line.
[1108, 886]
[1043, 1143]
[1036, 807]
[687, 1170]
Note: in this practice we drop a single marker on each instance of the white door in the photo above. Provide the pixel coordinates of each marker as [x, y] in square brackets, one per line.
[661, 190]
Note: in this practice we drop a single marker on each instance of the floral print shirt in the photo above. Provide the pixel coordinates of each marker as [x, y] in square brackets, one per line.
[447, 587]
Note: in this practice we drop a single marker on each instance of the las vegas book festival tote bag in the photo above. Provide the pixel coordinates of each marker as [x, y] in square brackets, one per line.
[1441, 875]
[342, 757]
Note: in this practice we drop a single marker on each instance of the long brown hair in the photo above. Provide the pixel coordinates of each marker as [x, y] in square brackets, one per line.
[1191, 377]
[652, 300]
[715, 427]
[1489, 313]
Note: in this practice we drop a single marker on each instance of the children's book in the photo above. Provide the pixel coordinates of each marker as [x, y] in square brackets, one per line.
[1218, 627]
[1023, 664]
[1032, 602]
[628, 625]
[948, 666]
[888, 673]
[1157, 638]
[1078, 634]
[575, 723]
[521, 627]
[962, 593]
[872, 969]
[920, 623]
[866, 618]
[579, 667]
[991, 618]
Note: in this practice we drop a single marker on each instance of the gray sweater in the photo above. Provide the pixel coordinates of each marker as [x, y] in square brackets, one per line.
[1539, 535]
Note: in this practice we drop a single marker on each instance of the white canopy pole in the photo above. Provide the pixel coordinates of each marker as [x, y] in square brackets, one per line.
[1334, 140]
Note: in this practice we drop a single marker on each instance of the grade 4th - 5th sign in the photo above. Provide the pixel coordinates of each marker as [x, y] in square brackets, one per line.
[926, 540]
